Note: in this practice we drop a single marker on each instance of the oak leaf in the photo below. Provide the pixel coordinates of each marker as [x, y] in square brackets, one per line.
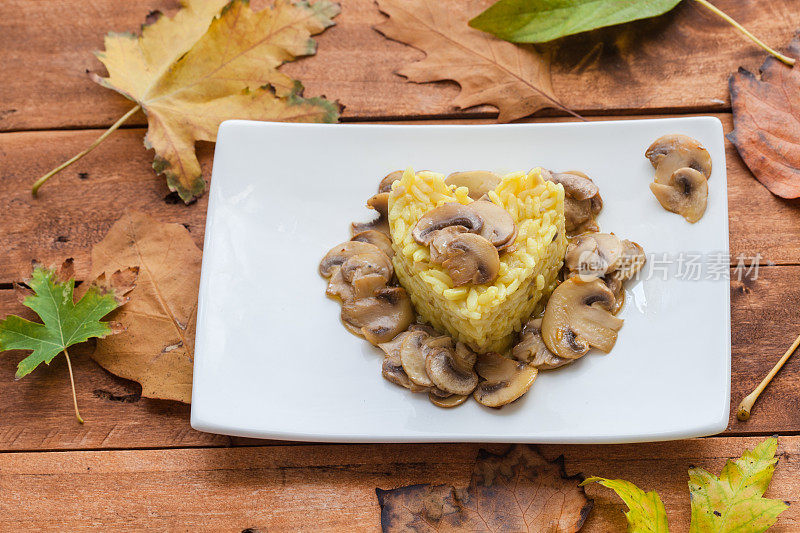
[160, 318]
[766, 122]
[514, 79]
[193, 71]
[515, 491]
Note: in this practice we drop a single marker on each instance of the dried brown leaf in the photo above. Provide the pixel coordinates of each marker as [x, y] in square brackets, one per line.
[767, 123]
[513, 78]
[160, 319]
[516, 491]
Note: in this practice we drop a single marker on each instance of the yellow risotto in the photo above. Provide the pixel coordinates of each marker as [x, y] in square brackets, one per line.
[483, 316]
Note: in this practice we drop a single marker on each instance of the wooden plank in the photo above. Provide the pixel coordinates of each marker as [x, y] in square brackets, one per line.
[71, 213]
[325, 488]
[37, 411]
[679, 61]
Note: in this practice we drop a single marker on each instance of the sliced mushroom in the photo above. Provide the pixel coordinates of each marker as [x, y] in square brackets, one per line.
[441, 240]
[449, 214]
[632, 260]
[367, 272]
[672, 152]
[337, 286]
[392, 367]
[469, 258]
[614, 282]
[340, 253]
[451, 370]
[582, 201]
[451, 400]
[412, 356]
[686, 194]
[578, 317]
[531, 348]
[380, 317]
[479, 182]
[386, 183]
[380, 203]
[594, 254]
[378, 238]
[505, 379]
[498, 226]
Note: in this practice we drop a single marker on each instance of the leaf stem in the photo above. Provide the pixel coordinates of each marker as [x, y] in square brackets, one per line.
[41, 181]
[72, 382]
[788, 60]
[743, 412]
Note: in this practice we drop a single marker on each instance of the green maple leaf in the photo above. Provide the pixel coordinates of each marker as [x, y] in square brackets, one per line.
[732, 503]
[735, 501]
[646, 513]
[64, 322]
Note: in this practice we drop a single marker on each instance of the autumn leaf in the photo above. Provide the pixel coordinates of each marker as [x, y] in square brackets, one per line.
[767, 123]
[646, 513]
[64, 322]
[193, 71]
[160, 319]
[515, 491]
[734, 502]
[514, 79]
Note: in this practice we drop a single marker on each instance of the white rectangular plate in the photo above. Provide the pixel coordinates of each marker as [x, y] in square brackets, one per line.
[272, 359]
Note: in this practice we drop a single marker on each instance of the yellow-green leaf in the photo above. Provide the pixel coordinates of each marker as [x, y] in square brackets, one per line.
[193, 71]
[646, 513]
[734, 502]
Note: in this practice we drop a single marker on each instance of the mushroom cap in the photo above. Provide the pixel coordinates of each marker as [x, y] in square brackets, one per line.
[386, 183]
[671, 152]
[632, 260]
[412, 357]
[441, 240]
[449, 214]
[392, 367]
[594, 254]
[578, 317]
[380, 203]
[451, 400]
[469, 258]
[337, 286]
[615, 283]
[380, 317]
[498, 225]
[378, 238]
[505, 379]
[582, 201]
[479, 182]
[340, 253]
[451, 370]
[531, 348]
[686, 194]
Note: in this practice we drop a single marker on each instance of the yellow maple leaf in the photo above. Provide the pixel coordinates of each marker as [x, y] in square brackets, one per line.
[190, 72]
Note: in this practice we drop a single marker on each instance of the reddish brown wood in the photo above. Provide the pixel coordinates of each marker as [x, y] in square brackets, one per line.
[326, 487]
[678, 62]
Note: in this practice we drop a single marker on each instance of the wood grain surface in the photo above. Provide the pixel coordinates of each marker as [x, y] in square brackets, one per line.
[326, 488]
[137, 465]
[679, 62]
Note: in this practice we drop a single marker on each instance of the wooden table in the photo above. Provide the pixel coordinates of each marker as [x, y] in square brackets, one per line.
[137, 464]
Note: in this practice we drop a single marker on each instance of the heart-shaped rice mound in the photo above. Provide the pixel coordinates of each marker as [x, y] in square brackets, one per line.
[483, 316]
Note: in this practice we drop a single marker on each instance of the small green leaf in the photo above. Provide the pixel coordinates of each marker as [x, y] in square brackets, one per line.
[64, 322]
[734, 502]
[539, 21]
[646, 513]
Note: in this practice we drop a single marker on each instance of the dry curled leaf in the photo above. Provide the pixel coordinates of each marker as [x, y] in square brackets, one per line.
[515, 79]
[160, 319]
[193, 71]
[516, 491]
[767, 123]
